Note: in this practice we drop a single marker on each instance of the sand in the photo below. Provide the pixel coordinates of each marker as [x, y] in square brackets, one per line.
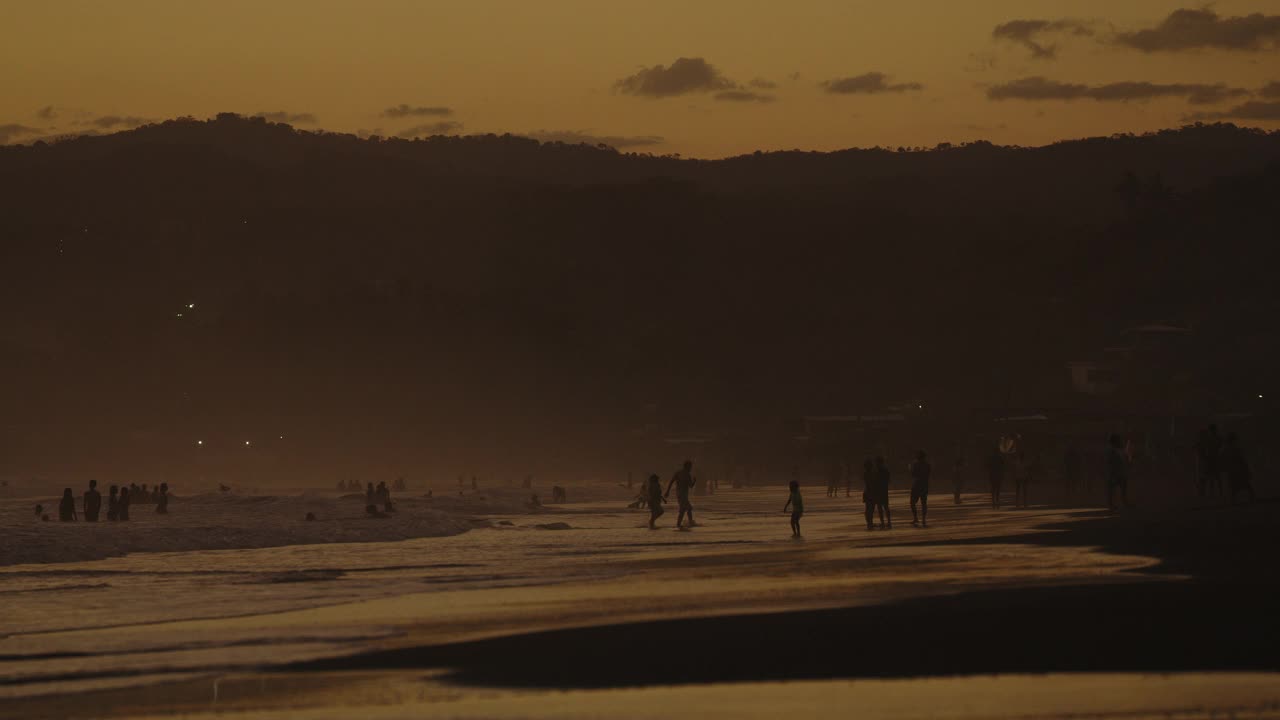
[510, 620]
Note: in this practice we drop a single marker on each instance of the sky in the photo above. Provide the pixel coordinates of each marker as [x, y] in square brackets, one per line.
[707, 78]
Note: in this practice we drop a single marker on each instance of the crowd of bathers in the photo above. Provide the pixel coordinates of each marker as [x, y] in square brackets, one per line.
[119, 501]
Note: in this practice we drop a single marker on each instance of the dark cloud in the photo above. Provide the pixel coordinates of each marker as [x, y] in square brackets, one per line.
[685, 75]
[1204, 28]
[762, 84]
[1270, 90]
[1039, 88]
[48, 112]
[14, 130]
[744, 96]
[868, 83]
[1266, 110]
[403, 111]
[576, 137]
[108, 122]
[444, 127]
[1033, 34]
[283, 116]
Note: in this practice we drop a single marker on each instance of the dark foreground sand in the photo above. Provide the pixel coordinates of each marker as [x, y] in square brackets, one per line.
[1191, 635]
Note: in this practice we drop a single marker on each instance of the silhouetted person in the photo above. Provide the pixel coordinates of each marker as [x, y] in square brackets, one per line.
[67, 507]
[833, 479]
[162, 499]
[370, 497]
[1117, 473]
[558, 494]
[1209, 461]
[995, 475]
[384, 494]
[796, 503]
[39, 510]
[1236, 467]
[957, 480]
[143, 495]
[882, 494]
[1071, 468]
[113, 503]
[869, 492]
[92, 502]
[122, 507]
[655, 500]
[683, 480]
[920, 472]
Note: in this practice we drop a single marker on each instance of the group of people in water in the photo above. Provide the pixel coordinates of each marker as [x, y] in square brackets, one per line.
[119, 500]
[353, 485]
[1218, 459]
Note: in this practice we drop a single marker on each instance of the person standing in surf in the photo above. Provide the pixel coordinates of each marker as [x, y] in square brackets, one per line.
[92, 502]
[796, 504]
[920, 472]
[683, 480]
[655, 500]
[882, 494]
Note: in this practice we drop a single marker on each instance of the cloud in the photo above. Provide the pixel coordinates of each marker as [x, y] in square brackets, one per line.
[282, 116]
[1040, 88]
[1031, 34]
[576, 137]
[1267, 110]
[685, 75]
[403, 111]
[762, 84]
[107, 122]
[444, 127]
[48, 112]
[868, 83]
[1203, 28]
[14, 130]
[1270, 90]
[744, 96]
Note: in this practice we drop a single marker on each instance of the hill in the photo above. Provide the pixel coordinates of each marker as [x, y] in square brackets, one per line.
[466, 296]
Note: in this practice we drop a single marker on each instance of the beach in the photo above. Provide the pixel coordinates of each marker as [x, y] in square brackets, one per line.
[580, 609]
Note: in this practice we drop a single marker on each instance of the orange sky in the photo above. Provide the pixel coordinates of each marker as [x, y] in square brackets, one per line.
[553, 65]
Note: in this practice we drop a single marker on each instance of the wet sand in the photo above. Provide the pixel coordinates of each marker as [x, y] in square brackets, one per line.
[617, 618]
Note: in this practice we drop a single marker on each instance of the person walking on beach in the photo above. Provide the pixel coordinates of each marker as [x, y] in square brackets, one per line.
[957, 480]
[683, 480]
[995, 475]
[1117, 473]
[92, 502]
[920, 472]
[796, 504]
[655, 500]
[870, 493]
[113, 503]
[1236, 467]
[122, 508]
[67, 507]
[882, 494]
[162, 499]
